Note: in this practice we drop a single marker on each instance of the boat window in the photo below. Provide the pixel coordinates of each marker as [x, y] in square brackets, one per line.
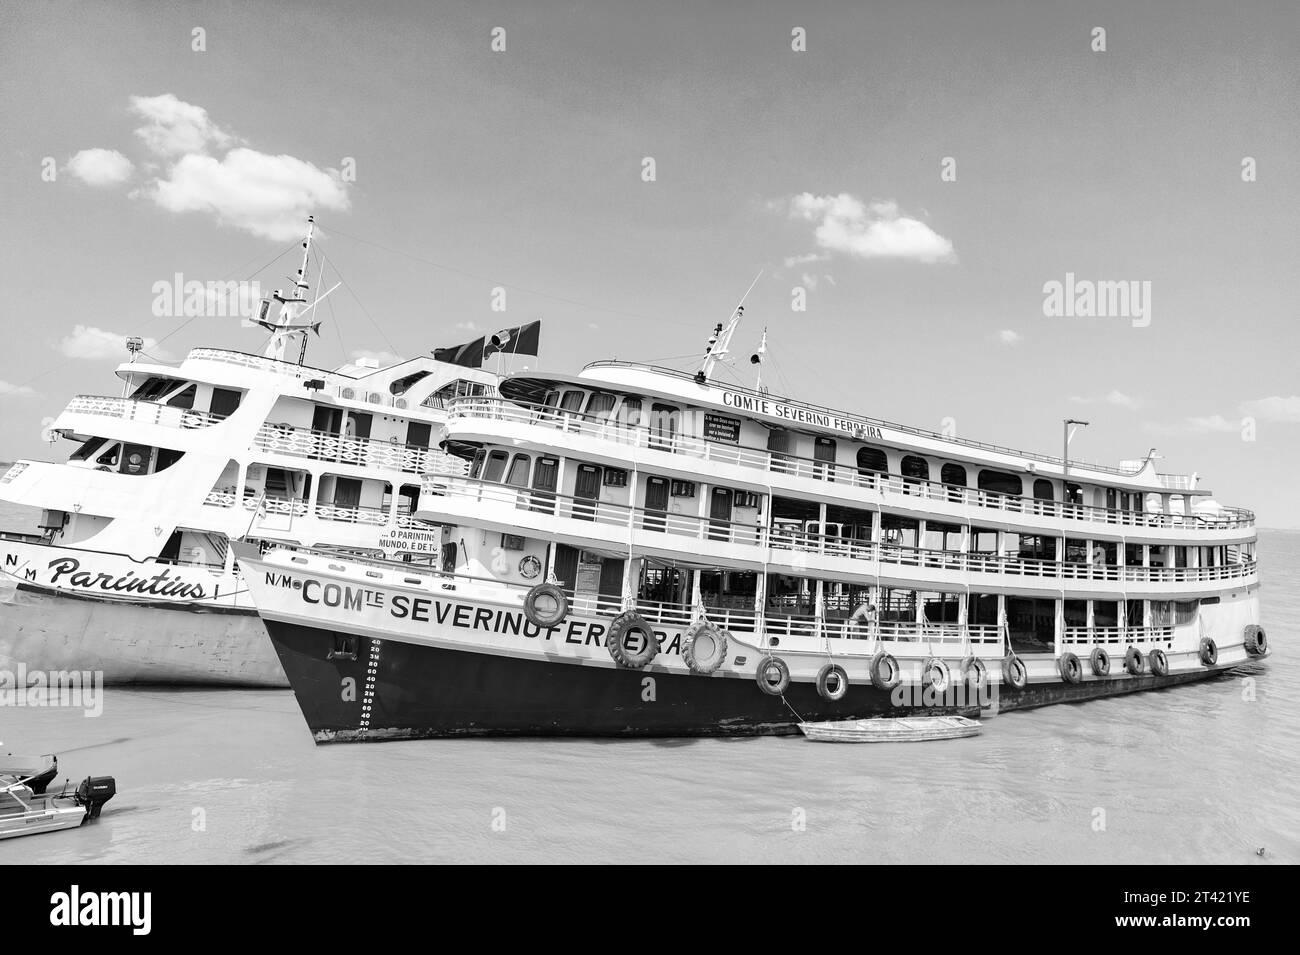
[166, 458]
[87, 449]
[496, 466]
[476, 466]
[683, 488]
[572, 400]
[953, 474]
[518, 476]
[153, 389]
[615, 477]
[631, 412]
[183, 398]
[552, 399]
[225, 401]
[1000, 482]
[1073, 493]
[663, 425]
[913, 467]
[1043, 490]
[600, 405]
[1110, 498]
[402, 385]
[872, 459]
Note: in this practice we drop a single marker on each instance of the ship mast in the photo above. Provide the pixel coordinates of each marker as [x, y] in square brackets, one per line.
[720, 340]
[285, 330]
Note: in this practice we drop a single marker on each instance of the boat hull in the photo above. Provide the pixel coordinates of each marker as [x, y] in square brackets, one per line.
[420, 691]
[134, 642]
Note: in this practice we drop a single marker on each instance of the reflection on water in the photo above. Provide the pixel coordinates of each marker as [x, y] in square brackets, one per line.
[1195, 774]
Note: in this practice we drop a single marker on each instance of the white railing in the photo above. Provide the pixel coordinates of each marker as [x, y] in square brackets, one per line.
[360, 452]
[641, 436]
[1116, 636]
[274, 505]
[221, 497]
[144, 412]
[352, 515]
[769, 544]
[258, 362]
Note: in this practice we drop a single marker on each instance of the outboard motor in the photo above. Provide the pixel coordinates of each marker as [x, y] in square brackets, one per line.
[93, 792]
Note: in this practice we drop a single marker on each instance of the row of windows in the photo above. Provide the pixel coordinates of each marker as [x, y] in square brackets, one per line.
[664, 421]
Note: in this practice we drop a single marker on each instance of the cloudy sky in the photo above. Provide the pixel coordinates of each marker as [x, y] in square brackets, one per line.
[917, 177]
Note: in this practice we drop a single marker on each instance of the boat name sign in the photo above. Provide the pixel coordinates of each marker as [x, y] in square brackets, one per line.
[779, 409]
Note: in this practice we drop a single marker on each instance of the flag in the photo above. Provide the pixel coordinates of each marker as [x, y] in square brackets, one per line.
[522, 340]
[470, 354]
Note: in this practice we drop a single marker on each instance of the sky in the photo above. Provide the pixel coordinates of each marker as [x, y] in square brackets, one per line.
[910, 184]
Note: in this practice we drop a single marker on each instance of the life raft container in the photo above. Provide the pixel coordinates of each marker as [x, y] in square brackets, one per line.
[885, 674]
[936, 675]
[1070, 668]
[626, 624]
[1134, 661]
[1014, 673]
[704, 647]
[773, 676]
[832, 682]
[1159, 662]
[1099, 661]
[1255, 640]
[546, 605]
[1209, 651]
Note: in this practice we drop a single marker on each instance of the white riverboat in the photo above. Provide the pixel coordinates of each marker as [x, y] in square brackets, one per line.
[648, 551]
[131, 574]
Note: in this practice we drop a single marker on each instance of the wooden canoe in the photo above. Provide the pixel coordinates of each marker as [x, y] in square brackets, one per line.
[902, 729]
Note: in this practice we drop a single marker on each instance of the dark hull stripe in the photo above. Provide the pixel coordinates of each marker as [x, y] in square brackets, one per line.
[421, 692]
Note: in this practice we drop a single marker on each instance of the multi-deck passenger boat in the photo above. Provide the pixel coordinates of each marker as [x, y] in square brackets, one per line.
[132, 575]
[640, 550]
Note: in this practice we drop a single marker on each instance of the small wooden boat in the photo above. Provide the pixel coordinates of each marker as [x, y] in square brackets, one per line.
[902, 729]
[26, 808]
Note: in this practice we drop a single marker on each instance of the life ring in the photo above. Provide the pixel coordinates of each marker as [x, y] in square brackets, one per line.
[546, 605]
[975, 674]
[936, 675]
[1255, 640]
[1014, 672]
[768, 668]
[1070, 668]
[704, 647]
[1209, 651]
[620, 628]
[1134, 661]
[832, 674]
[881, 662]
[1100, 662]
[1159, 662]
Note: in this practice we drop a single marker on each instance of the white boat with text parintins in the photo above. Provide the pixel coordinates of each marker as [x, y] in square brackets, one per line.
[638, 550]
[131, 574]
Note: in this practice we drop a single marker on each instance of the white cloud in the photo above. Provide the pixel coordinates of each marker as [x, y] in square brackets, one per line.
[384, 358]
[1276, 408]
[790, 261]
[8, 390]
[1212, 423]
[200, 167]
[1008, 336]
[1117, 398]
[176, 128]
[87, 341]
[269, 196]
[866, 230]
[809, 279]
[100, 167]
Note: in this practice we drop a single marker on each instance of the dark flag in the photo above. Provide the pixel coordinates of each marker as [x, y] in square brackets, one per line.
[469, 354]
[522, 340]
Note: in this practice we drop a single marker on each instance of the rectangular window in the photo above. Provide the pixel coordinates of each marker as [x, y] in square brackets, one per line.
[512, 542]
[746, 499]
[615, 477]
[683, 489]
[518, 476]
[631, 412]
[496, 466]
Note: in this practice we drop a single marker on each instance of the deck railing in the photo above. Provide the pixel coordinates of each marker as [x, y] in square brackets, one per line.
[637, 435]
[767, 544]
[144, 412]
[1111, 637]
[361, 452]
